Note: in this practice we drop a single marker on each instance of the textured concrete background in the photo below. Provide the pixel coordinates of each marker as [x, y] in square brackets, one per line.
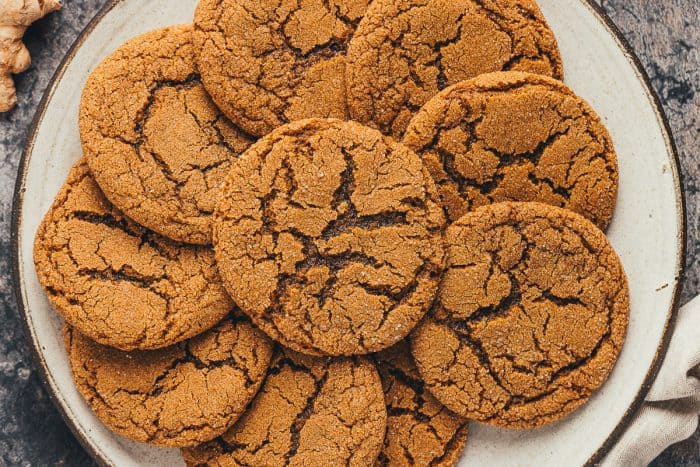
[665, 34]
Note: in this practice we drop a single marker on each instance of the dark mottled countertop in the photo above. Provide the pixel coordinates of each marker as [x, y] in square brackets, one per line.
[665, 34]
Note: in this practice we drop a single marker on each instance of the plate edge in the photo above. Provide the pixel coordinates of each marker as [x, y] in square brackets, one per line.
[17, 199]
[603, 17]
[670, 143]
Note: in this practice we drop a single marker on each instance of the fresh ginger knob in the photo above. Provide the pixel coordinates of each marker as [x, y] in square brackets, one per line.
[15, 17]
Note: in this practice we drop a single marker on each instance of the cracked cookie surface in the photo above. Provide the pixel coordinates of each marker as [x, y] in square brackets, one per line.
[310, 411]
[179, 396]
[157, 145]
[329, 235]
[405, 51]
[514, 136]
[530, 319]
[270, 62]
[118, 283]
[420, 430]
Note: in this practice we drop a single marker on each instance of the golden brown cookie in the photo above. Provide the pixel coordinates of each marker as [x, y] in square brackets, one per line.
[329, 235]
[117, 283]
[420, 430]
[156, 143]
[178, 396]
[269, 62]
[310, 411]
[514, 136]
[405, 51]
[530, 318]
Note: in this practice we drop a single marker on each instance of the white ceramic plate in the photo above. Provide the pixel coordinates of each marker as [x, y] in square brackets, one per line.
[648, 231]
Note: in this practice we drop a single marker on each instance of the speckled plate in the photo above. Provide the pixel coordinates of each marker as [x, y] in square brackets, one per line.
[648, 231]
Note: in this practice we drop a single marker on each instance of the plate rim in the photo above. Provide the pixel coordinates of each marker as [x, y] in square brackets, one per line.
[669, 141]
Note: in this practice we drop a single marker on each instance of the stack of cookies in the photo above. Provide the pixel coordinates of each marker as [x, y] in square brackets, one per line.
[332, 232]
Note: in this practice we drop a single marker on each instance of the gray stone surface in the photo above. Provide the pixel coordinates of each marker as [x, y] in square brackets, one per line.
[665, 34]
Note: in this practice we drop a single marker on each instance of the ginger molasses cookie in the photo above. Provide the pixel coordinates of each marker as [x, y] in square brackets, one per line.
[179, 396]
[420, 430]
[530, 319]
[405, 51]
[514, 136]
[268, 62]
[329, 236]
[155, 142]
[117, 283]
[310, 411]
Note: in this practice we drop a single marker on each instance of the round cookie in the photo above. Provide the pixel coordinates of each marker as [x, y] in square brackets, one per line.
[420, 430]
[514, 136]
[405, 51]
[530, 319]
[310, 411]
[155, 142]
[329, 235]
[267, 62]
[117, 283]
[179, 396]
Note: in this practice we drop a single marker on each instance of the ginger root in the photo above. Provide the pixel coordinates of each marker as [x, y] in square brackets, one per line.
[15, 17]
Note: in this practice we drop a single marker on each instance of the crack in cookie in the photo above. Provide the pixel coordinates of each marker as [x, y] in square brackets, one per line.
[328, 235]
[270, 62]
[406, 51]
[420, 430]
[178, 396]
[117, 283]
[513, 136]
[530, 319]
[157, 145]
[310, 411]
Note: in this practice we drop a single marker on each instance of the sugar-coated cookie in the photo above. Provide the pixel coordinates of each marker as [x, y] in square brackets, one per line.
[530, 319]
[329, 236]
